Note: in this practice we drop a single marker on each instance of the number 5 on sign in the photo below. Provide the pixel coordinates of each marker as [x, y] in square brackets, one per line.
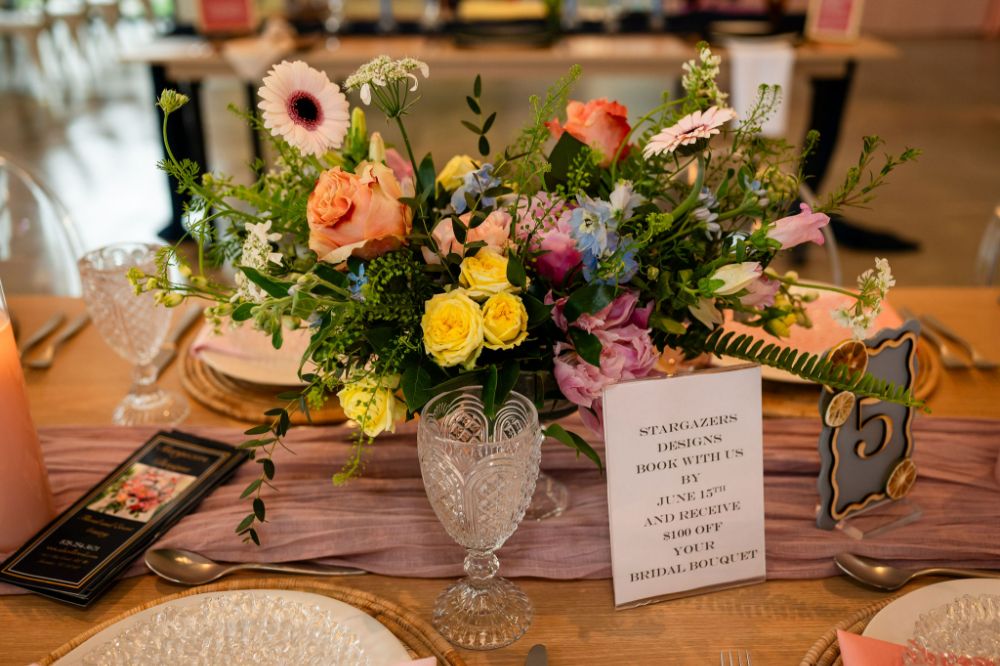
[866, 445]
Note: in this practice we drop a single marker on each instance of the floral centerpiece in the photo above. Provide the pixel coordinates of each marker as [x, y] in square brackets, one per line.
[582, 251]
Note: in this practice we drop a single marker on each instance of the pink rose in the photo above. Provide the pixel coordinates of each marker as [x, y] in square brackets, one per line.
[760, 293]
[797, 229]
[600, 124]
[494, 230]
[618, 312]
[400, 166]
[357, 213]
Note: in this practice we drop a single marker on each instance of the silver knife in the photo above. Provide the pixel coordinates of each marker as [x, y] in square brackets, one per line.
[169, 349]
[977, 359]
[537, 656]
[43, 332]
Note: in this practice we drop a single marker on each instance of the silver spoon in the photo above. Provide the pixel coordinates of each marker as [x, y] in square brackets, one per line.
[189, 568]
[886, 577]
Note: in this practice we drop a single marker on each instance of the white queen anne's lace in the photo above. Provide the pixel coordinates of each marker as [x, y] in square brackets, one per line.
[873, 285]
[383, 71]
[257, 253]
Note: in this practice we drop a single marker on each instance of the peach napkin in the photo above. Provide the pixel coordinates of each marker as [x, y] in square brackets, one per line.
[863, 651]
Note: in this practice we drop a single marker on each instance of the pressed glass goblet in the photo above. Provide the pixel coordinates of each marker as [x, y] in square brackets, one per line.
[134, 326]
[479, 474]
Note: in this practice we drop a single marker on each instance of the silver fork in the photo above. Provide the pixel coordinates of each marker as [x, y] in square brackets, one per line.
[978, 359]
[44, 360]
[949, 358]
[735, 658]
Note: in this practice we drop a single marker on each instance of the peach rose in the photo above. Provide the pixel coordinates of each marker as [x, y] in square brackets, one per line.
[357, 213]
[494, 230]
[600, 124]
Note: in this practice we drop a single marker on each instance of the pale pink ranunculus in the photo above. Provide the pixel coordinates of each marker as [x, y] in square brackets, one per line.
[357, 214]
[622, 311]
[760, 292]
[401, 167]
[800, 228]
[494, 230]
[601, 124]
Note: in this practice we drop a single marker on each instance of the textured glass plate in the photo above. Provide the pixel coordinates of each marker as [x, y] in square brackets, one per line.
[245, 627]
[895, 623]
[967, 627]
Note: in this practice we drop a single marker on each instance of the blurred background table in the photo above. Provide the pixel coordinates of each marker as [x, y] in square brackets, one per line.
[777, 621]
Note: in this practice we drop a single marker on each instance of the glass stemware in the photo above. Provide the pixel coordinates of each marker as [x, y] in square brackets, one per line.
[134, 326]
[479, 474]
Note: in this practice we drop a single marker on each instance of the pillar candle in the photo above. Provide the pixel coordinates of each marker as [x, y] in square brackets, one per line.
[25, 497]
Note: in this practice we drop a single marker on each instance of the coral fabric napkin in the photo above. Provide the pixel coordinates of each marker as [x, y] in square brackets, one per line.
[863, 651]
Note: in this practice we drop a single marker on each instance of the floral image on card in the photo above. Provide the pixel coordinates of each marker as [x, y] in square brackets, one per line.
[140, 492]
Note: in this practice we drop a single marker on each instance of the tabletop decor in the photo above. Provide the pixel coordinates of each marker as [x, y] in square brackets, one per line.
[584, 247]
[25, 496]
[134, 326]
[479, 470]
[866, 445]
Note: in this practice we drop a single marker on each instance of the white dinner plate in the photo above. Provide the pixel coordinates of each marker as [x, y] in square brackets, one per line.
[246, 354]
[379, 644]
[895, 622]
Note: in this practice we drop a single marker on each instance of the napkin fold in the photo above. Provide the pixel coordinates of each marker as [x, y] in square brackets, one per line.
[756, 62]
[858, 650]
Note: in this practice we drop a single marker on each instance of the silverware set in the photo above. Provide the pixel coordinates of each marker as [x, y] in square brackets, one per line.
[944, 337]
[735, 658]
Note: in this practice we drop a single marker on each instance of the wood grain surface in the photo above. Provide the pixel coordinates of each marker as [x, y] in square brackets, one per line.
[777, 621]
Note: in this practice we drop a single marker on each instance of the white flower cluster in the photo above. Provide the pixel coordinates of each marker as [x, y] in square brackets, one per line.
[383, 71]
[873, 285]
[257, 253]
[700, 74]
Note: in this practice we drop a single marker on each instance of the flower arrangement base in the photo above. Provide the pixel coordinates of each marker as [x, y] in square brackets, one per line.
[482, 613]
[551, 499]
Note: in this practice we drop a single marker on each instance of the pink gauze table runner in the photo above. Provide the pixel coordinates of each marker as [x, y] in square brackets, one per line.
[383, 523]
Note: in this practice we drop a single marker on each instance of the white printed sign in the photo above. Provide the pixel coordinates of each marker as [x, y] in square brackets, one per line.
[685, 483]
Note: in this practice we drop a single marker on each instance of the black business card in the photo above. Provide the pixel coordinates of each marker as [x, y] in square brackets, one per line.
[80, 553]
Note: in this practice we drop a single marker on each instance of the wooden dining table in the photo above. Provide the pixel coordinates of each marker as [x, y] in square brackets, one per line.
[777, 621]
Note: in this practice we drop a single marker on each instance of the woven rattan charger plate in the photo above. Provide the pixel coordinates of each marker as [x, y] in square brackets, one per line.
[242, 400]
[826, 651]
[419, 637]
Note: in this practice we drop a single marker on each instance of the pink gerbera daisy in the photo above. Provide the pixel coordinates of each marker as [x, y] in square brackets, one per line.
[304, 108]
[688, 130]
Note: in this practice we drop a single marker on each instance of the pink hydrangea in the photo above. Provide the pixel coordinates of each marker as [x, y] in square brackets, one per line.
[800, 228]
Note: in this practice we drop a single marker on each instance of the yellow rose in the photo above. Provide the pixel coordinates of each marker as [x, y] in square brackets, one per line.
[485, 274]
[373, 405]
[453, 329]
[454, 171]
[505, 321]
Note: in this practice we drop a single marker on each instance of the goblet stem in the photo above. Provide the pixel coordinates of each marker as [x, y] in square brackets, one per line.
[143, 379]
[481, 566]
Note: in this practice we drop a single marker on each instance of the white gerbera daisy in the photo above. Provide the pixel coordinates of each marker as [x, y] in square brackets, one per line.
[301, 106]
[688, 130]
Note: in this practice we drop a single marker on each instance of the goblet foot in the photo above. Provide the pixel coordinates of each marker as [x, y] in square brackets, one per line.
[551, 498]
[483, 614]
[157, 407]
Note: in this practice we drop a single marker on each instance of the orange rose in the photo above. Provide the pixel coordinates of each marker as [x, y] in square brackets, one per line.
[357, 214]
[600, 124]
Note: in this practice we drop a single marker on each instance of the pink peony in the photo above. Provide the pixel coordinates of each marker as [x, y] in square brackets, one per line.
[620, 312]
[600, 124]
[627, 352]
[761, 293]
[797, 229]
[494, 230]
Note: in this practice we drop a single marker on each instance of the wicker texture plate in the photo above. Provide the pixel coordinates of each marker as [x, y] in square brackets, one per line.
[826, 651]
[420, 639]
[241, 400]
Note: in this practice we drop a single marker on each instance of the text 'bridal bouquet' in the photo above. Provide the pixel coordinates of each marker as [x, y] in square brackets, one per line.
[584, 250]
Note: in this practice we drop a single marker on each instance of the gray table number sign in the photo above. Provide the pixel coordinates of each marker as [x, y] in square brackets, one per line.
[866, 445]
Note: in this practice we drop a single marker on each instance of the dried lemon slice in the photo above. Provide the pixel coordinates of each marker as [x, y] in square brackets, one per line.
[839, 409]
[852, 353]
[901, 481]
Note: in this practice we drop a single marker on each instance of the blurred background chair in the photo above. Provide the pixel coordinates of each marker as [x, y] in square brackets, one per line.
[988, 260]
[39, 243]
[24, 29]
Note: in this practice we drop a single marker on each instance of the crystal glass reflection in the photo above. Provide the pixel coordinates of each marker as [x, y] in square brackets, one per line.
[479, 474]
[965, 632]
[133, 326]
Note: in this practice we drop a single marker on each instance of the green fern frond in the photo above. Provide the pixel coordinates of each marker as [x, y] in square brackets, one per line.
[811, 367]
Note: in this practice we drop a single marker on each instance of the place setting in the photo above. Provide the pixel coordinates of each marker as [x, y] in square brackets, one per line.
[545, 387]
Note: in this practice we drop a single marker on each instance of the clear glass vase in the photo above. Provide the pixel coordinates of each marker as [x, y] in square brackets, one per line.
[479, 474]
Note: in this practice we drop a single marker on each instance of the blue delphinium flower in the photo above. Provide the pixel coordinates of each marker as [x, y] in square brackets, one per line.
[475, 183]
[592, 225]
[357, 282]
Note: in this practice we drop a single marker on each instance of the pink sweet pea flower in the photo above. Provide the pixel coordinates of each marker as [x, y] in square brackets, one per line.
[797, 229]
[760, 293]
[400, 166]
